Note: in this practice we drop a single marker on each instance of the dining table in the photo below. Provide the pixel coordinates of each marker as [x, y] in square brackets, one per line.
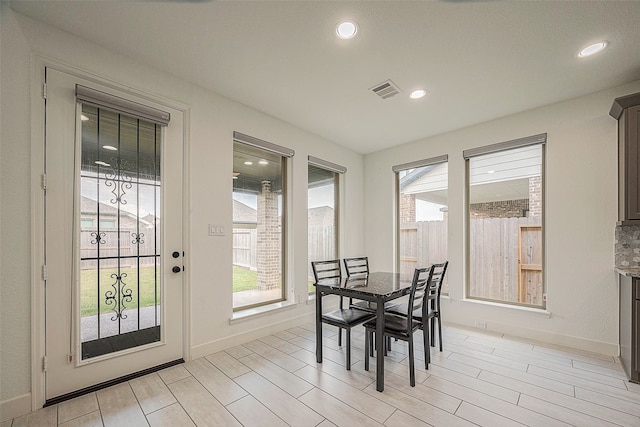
[377, 287]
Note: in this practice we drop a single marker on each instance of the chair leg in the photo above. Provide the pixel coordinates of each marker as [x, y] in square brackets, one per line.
[412, 368]
[367, 347]
[371, 341]
[432, 324]
[427, 348]
[440, 331]
[339, 337]
[348, 334]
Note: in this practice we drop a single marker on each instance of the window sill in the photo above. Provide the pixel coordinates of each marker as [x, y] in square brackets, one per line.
[250, 313]
[539, 311]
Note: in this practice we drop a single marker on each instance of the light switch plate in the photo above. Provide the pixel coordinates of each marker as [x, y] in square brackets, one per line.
[216, 230]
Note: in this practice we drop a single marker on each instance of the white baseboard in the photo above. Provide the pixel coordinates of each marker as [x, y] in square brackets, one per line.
[15, 407]
[211, 347]
[548, 338]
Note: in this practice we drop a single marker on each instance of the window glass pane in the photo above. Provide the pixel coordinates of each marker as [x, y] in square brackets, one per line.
[257, 226]
[322, 236]
[423, 217]
[505, 226]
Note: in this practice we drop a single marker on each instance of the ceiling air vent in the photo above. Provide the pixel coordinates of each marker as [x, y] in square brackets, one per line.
[386, 89]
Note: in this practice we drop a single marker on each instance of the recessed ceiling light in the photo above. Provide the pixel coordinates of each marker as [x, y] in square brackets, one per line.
[109, 147]
[101, 163]
[263, 162]
[593, 49]
[347, 29]
[491, 171]
[248, 163]
[83, 117]
[416, 94]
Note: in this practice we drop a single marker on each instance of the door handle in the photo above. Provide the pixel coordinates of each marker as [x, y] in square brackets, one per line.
[176, 269]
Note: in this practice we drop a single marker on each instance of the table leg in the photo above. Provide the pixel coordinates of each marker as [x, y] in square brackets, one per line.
[380, 345]
[318, 326]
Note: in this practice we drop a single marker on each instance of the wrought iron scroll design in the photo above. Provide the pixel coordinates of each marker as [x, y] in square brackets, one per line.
[137, 238]
[118, 296]
[119, 181]
[98, 238]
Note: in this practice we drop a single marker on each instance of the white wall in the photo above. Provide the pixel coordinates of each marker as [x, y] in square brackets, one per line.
[580, 212]
[212, 122]
[15, 235]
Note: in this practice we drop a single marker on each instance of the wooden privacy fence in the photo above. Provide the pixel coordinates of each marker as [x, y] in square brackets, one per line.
[321, 244]
[121, 243]
[245, 243]
[505, 255]
[245, 246]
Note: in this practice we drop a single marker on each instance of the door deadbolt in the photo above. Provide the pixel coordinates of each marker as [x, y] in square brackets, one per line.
[176, 269]
[175, 254]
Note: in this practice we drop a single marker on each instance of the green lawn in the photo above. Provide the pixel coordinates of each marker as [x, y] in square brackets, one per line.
[244, 279]
[89, 293]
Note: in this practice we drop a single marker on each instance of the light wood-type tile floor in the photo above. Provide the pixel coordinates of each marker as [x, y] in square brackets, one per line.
[480, 379]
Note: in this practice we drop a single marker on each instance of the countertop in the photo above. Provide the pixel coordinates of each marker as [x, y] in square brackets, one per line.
[628, 271]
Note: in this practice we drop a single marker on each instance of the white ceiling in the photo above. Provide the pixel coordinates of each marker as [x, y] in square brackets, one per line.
[478, 60]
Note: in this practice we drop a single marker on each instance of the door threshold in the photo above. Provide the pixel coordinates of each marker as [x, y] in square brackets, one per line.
[109, 383]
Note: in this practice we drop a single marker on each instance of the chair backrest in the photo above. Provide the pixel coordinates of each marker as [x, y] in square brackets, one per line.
[326, 270]
[422, 277]
[435, 286]
[356, 266]
[439, 270]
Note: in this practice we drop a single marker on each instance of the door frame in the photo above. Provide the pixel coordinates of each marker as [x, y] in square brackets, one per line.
[37, 244]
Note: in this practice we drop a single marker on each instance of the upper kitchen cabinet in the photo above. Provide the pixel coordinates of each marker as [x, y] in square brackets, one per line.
[626, 110]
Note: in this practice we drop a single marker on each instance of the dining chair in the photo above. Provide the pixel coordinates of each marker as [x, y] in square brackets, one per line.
[342, 318]
[433, 304]
[403, 327]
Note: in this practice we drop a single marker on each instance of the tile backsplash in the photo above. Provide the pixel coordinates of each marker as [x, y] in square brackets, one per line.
[627, 247]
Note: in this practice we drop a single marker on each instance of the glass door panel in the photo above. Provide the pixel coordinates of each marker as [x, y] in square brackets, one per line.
[119, 232]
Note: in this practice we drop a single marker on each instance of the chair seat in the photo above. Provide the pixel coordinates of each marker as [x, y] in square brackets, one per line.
[401, 309]
[346, 317]
[394, 324]
[372, 306]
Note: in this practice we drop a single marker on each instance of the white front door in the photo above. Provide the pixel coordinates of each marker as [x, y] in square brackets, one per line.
[113, 239]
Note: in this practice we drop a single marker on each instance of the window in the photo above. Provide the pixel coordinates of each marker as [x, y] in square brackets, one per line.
[107, 223]
[259, 218]
[86, 223]
[422, 215]
[506, 215]
[322, 213]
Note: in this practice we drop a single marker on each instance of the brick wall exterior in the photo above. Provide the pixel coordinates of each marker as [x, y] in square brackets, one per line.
[407, 208]
[531, 207]
[535, 196]
[501, 209]
[268, 256]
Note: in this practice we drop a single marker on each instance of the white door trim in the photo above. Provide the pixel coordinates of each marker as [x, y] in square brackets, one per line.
[39, 63]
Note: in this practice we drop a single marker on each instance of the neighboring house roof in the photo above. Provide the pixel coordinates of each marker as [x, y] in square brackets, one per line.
[244, 214]
[89, 206]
